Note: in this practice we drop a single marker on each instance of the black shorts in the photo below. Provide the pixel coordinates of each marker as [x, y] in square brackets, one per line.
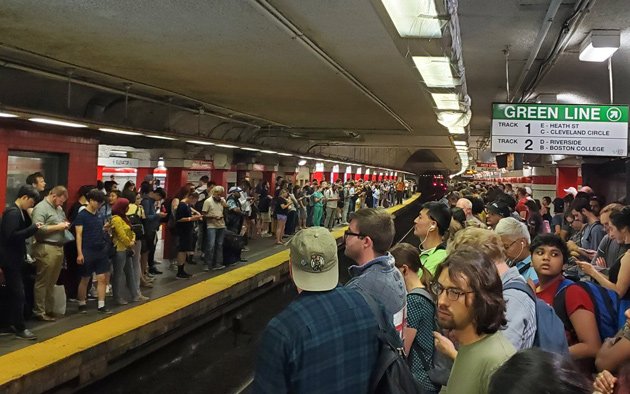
[95, 263]
[186, 242]
[148, 241]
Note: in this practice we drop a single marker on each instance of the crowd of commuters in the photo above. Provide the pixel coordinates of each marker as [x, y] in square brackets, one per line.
[104, 243]
[505, 294]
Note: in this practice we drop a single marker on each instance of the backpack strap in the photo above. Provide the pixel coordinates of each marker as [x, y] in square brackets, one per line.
[559, 303]
[524, 287]
[524, 268]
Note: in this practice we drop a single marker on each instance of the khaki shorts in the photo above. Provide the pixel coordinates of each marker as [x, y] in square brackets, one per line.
[266, 217]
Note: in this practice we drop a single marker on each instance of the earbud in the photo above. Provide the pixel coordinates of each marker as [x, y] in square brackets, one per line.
[522, 243]
[431, 228]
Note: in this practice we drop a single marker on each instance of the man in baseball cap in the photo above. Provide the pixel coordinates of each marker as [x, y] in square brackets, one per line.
[313, 260]
[326, 328]
[497, 211]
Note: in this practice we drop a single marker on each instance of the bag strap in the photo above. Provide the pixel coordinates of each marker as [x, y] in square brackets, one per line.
[559, 303]
[518, 285]
[524, 268]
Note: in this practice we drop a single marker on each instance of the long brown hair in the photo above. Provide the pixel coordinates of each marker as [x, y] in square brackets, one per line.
[484, 281]
[409, 255]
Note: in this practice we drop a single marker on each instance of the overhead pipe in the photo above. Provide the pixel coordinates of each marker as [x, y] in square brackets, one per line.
[123, 92]
[571, 25]
[299, 35]
[552, 11]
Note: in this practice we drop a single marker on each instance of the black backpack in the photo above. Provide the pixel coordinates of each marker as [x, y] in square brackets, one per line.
[136, 224]
[391, 373]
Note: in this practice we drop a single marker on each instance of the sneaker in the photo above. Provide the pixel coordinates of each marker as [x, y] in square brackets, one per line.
[183, 275]
[206, 269]
[148, 285]
[155, 271]
[122, 302]
[218, 267]
[82, 309]
[140, 298]
[242, 260]
[45, 317]
[25, 334]
[104, 311]
[7, 331]
[245, 249]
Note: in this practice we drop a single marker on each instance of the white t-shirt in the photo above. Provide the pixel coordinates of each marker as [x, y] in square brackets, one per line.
[330, 194]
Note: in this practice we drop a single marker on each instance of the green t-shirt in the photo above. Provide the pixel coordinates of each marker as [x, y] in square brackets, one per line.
[432, 258]
[319, 195]
[475, 364]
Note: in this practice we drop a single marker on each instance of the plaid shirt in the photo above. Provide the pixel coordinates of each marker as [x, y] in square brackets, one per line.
[323, 342]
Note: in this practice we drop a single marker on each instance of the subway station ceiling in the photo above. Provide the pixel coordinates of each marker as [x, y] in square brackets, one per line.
[315, 77]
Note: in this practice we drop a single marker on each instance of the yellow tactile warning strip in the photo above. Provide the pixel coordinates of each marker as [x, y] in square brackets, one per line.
[35, 357]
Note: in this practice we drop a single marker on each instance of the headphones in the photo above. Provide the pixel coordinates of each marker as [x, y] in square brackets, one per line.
[432, 227]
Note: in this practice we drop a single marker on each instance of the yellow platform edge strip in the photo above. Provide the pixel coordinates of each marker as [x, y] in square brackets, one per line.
[37, 356]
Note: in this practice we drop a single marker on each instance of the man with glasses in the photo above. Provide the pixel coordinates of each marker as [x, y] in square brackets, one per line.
[368, 239]
[470, 303]
[48, 249]
[516, 241]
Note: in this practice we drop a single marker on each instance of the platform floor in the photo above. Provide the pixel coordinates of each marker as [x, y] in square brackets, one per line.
[163, 285]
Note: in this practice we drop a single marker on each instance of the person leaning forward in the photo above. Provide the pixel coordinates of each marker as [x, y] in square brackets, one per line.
[48, 249]
[16, 228]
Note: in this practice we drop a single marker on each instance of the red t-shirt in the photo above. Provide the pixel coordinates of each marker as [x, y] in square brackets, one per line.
[521, 207]
[576, 298]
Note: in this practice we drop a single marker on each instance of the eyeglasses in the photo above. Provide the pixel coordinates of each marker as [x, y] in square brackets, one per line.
[452, 293]
[348, 233]
[510, 245]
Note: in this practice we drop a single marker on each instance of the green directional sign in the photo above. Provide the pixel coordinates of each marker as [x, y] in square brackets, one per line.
[571, 113]
[561, 129]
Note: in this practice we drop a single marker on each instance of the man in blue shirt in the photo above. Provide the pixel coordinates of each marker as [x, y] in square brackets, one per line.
[516, 241]
[326, 340]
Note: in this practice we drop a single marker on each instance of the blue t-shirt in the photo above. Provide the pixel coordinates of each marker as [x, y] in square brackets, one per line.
[93, 237]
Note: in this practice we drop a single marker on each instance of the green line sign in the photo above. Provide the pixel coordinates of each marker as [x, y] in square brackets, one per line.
[560, 129]
[561, 112]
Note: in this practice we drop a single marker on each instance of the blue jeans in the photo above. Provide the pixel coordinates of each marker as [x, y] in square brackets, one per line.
[214, 246]
[124, 276]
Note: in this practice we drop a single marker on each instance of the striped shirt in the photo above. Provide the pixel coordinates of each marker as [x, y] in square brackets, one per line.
[323, 342]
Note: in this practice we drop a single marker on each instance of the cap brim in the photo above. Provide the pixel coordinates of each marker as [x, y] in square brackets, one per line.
[322, 281]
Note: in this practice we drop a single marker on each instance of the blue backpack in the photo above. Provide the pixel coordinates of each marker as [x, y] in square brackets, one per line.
[605, 301]
[550, 334]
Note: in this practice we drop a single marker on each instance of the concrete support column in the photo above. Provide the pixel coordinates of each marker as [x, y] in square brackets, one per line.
[565, 178]
[142, 172]
[176, 177]
[218, 177]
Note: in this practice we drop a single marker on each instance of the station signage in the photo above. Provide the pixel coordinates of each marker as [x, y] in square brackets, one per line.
[557, 129]
[118, 162]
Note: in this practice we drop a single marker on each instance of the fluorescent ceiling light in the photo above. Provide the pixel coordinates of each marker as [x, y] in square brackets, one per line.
[454, 118]
[57, 122]
[456, 130]
[446, 100]
[459, 143]
[117, 131]
[197, 142]
[160, 137]
[435, 71]
[284, 154]
[7, 115]
[301, 162]
[599, 45]
[414, 18]
[250, 149]
[227, 146]
[269, 151]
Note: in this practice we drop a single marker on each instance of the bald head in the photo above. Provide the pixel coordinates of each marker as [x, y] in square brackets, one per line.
[466, 205]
